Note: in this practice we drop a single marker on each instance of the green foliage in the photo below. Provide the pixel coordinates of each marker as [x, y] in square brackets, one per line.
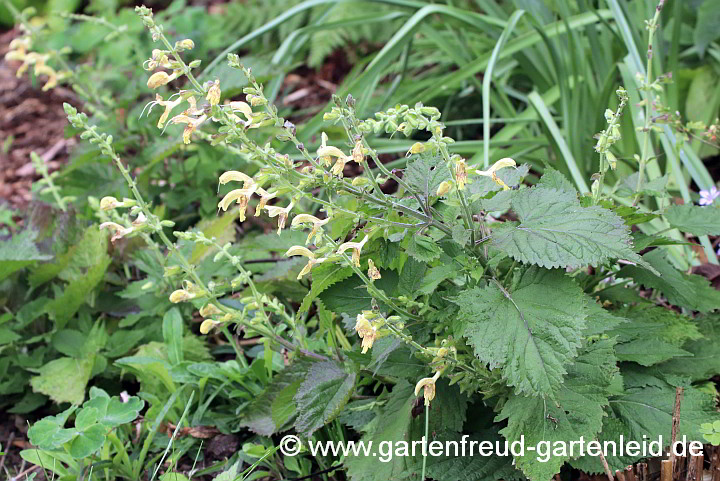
[517, 305]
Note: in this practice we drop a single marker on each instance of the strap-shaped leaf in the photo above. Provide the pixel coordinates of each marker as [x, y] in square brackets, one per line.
[530, 332]
[556, 231]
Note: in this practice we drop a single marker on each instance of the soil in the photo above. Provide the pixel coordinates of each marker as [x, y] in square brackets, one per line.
[30, 120]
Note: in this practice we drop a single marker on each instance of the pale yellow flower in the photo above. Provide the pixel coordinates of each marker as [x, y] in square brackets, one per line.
[461, 174]
[192, 124]
[373, 272]
[206, 326]
[236, 176]
[158, 79]
[358, 152]
[209, 310]
[214, 93]
[304, 251]
[492, 171]
[242, 196]
[181, 295]
[109, 203]
[428, 386]
[356, 247]
[327, 152]
[186, 44]
[119, 231]
[169, 105]
[264, 198]
[325, 159]
[281, 213]
[245, 109]
[366, 331]
[310, 219]
[443, 188]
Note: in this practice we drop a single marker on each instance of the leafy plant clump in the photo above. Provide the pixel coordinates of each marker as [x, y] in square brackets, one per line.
[515, 310]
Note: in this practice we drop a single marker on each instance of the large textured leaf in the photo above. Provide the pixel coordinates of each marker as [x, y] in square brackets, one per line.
[705, 360]
[694, 219]
[556, 231]
[531, 332]
[19, 252]
[322, 395]
[324, 276]
[645, 410]
[264, 416]
[685, 290]
[64, 379]
[351, 296]
[573, 410]
[426, 173]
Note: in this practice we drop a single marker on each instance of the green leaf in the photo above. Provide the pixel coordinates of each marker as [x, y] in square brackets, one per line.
[173, 334]
[435, 275]
[424, 249]
[705, 360]
[321, 396]
[426, 173]
[685, 290]
[647, 351]
[324, 276]
[707, 28]
[573, 410]
[112, 411]
[411, 277]
[555, 231]
[644, 411]
[87, 440]
[554, 179]
[64, 379]
[49, 432]
[351, 296]
[694, 219]
[263, 412]
[531, 332]
[18, 252]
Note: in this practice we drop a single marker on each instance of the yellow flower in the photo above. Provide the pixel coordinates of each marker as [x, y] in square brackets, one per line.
[492, 171]
[236, 176]
[325, 159]
[428, 386]
[356, 247]
[245, 109]
[310, 219]
[159, 79]
[169, 105]
[119, 231]
[186, 44]
[109, 203]
[181, 295]
[373, 272]
[281, 213]
[42, 69]
[443, 188]
[242, 196]
[366, 331]
[461, 173]
[304, 251]
[327, 152]
[264, 198]
[417, 148]
[209, 310]
[339, 166]
[213, 95]
[206, 325]
[192, 124]
[358, 152]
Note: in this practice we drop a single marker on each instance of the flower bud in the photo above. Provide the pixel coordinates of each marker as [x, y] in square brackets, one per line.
[186, 44]
[206, 325]
[213, 95]
[443, 188]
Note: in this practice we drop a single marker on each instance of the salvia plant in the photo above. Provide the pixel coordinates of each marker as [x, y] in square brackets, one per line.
[447, 299]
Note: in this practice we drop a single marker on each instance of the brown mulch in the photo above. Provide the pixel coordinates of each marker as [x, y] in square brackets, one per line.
[34, 121]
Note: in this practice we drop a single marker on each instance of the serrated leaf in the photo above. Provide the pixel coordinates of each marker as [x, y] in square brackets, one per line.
[435, 275]
[18, 252]
[424, 249]
[555, 231]
[460, 234]
[322, 395]
[531, 332]
[647, 351]
[324, 276]
[64, 379]
[694, 219]
[411, 277]
[685, 290]
[258, 416]
[705, 360]
[426, 173]
[351, 296]
[573, 410]
[554, 179]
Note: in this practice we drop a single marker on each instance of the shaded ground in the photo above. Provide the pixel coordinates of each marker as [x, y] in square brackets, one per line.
[30, 120]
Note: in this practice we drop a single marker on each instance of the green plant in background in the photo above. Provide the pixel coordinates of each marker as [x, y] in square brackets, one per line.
[548, 322]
